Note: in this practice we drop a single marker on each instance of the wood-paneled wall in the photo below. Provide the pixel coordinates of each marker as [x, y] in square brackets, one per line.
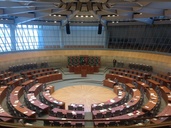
[58, 58]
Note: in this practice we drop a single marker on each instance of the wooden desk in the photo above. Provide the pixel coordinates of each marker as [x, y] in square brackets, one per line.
[50, 100]
[36, 103]
[7, 79]
[129, 86]
[89, 69]
[120, 78]
[52, 119]
[165, 89]
[111, 102]
[16, 82]
[28, 84]
[117, 89]
[109, 83]
[122, 118]
[49, 78]
[153, 83]
[36, 89]
[142, 84]
[152, 100]
[14, 99]
[50, 89]
[166, 94]
[163, 81]
[136, 95]
[3, 90]
[165, 112]
[64, 112]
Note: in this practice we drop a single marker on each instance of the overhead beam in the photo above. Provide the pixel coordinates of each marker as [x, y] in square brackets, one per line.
[38, 15]
[103, 22]
[64, 22]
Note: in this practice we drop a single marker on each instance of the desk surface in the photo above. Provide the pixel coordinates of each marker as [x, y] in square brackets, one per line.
[14, 99]
[50, 99]
[152, 100]
[3, 90]
[33, 100]
[131, 115]
[136, 95]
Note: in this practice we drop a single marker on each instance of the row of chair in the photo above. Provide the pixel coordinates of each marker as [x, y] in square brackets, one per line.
[28, 66]
[140, 67]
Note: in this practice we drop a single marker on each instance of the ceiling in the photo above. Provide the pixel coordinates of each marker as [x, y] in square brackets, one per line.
[85, 12]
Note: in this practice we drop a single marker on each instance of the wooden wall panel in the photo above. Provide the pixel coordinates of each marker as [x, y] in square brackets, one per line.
[160, 62]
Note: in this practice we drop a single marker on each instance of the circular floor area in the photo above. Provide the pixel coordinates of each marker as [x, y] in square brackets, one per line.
[83, 94]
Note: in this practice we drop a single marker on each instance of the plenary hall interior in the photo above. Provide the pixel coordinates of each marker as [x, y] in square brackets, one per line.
[85, 63]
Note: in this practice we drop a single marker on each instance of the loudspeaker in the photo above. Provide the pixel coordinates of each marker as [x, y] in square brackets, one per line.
[67, 28]
[100, 29]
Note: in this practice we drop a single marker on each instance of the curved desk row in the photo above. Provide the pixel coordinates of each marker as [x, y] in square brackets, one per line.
[7, 79]
[70, 114]
[33, 76]
[5, 74]
[161, 80]
[121, 97]
[51, 120]
[32, 72]
[36, 105]
[120, 78]
[135, 76]
[144, 74]
[49, 78]
[3, 90]
[126, 119]
[17, 105]
[131, 105]
[152, 100]
[167, 110]
[49, 100]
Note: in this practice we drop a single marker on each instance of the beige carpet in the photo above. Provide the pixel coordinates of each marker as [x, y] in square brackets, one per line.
[83, 94]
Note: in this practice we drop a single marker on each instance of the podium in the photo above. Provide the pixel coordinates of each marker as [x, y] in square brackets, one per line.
[83, 72]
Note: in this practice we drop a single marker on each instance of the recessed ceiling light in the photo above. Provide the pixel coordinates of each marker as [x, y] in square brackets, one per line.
[113, 15]
[55, 21]
[54, 15]
[59, 15]
[91, 16]
[49, 14]
[117, 21]
[86, 16]
[113, 21]
[108, 15]
[46, 21]
[76, 16]
[140, 13]
[82, 16]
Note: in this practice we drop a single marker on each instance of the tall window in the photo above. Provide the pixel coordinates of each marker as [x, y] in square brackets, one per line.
[26, 37]
[84, 35]
[5, 40]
